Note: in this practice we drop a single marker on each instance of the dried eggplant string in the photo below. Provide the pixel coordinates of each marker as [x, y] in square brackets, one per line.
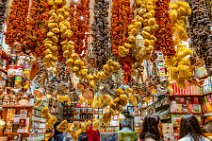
[79, 13]
[3, 4]
[122, 15]
[16, 22]
[37, 26]
[101, 37]
[200, 32]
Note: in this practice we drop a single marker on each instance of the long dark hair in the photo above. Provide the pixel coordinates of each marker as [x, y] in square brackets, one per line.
[190, 126]
[150, 128]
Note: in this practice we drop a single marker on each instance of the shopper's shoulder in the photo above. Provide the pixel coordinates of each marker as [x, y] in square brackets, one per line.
[149, 139]
[184, 139]
[205, 139]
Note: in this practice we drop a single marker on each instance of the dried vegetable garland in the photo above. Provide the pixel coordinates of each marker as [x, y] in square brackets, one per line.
[59, 33]
[80, 25]
[200, 32]
[16, 22]
[164, 36]
[146, 25]
[122, 15]
[3, 4]
[100, 29]
[37, 26]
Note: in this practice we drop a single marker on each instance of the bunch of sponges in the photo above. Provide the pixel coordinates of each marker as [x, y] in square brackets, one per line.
[79, 68]
[146, 15]
[119, 101]
[145, 24]
[101, 101]
[178, 15]
[131, 96]
[64, 98]
[75, 128]
[59, 29]
[179, 66]
[50, 120]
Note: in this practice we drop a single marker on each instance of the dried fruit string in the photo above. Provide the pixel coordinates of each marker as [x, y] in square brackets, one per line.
[122, 15]
[164, 41]
[3, 4]
[16, 22]
[80, 25]
[37, 26]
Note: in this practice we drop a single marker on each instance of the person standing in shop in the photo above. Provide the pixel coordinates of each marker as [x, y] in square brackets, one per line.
[57, 135]
[190, 129]
[152, 129]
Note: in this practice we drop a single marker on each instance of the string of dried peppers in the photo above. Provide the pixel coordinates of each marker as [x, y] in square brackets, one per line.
[16, 22]
[122, 15]
[164, 36]
[100, 34]
[80, 25]
[37, 26]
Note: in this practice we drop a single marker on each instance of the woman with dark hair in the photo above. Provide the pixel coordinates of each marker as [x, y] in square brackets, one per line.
[58, 136]
[190, 129]
[152, 129]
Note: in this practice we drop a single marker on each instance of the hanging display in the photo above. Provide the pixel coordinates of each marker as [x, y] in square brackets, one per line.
[122, 16]
[200, 32]
[16, 22]
[101, 46]
[164, 36]
[3, 5]
[37, 26]
[57, 41]
[80, 15]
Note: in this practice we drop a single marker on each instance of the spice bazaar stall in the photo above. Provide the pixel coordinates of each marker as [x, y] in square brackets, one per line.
[89, 68]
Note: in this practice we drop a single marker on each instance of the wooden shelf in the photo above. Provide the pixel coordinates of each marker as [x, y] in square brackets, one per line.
[207, 94]
[207, 114]
[15, 133]
[16, 106]
[208, 134]
[185, 95]
[184, 113]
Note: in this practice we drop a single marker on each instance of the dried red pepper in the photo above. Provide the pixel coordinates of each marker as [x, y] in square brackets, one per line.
[122, 15]
[80, 25]
[164, 41]
[16, 22]
[37, 26]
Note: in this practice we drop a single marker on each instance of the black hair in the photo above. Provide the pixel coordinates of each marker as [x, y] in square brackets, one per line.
[190, 126]
[56, 132]
[150, 128]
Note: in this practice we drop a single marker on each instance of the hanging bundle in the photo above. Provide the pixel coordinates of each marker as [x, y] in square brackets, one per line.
[200, 32]
[80, 25]
[16, 22]
[59, 34]
[164, 41]
[101, 47]
[37, 26]
[3, 4]
[122, 15]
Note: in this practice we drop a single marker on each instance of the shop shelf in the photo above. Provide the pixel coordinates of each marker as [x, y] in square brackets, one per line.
[162, 107]
[192, 95]
[207, 114]
[16, 106]
[207, 94]
[184, 113]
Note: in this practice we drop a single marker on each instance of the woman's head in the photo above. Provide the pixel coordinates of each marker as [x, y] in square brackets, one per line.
[190, 126]
[151, 128]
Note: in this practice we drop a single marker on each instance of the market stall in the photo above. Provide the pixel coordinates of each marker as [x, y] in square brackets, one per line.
[89, 65]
